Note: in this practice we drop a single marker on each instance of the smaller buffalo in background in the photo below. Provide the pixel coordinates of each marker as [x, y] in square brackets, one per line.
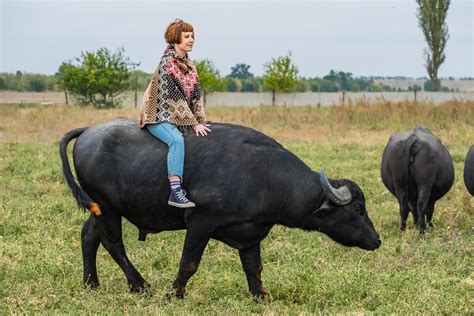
[418, 170]
[469, 171]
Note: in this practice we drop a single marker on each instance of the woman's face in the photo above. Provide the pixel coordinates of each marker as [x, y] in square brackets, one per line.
[187, 42]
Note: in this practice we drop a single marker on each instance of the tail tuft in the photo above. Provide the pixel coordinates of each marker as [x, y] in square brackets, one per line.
[94, 208]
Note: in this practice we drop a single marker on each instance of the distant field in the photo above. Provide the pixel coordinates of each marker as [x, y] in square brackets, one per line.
[461, 85]
[305, 273]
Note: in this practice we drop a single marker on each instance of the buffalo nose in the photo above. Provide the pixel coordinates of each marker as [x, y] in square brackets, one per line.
[380, 242]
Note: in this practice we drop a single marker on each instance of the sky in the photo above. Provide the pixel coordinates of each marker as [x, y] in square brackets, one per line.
[366, 38]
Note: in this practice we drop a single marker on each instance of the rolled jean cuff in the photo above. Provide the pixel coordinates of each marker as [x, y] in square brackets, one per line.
[175, 174]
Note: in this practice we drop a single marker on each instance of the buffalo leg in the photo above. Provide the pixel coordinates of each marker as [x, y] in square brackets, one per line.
[194, 245]
[415, 217]
[111, 237]
[252, 265]
[90, 243]
[421, 207]
[414, 213]
[403, 217]
[403, 207]
[429, 213]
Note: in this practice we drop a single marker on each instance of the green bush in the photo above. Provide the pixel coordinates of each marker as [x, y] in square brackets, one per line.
[97, 78]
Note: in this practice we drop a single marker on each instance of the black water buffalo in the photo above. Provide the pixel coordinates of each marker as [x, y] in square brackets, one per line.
[242, 182]
[418, 170]
[469, 171]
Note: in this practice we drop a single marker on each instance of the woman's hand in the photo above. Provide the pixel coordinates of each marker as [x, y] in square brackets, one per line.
[201, 129]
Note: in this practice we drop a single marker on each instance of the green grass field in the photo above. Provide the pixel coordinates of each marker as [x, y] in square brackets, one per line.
[305, 273]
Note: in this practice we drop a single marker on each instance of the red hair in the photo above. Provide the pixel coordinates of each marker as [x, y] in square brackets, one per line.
[174, 30]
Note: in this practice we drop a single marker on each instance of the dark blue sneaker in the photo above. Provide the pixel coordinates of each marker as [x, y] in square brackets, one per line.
[178, 199]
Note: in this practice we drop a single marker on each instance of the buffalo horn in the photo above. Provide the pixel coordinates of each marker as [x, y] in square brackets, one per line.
[341, 196]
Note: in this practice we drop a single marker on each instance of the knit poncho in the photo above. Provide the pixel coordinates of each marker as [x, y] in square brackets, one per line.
[173, 94]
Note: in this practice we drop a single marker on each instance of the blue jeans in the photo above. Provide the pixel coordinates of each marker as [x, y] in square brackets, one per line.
[171, 136]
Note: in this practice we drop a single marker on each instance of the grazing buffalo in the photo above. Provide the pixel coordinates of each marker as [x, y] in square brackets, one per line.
[418, 170]
[242, 182]
[469, 170]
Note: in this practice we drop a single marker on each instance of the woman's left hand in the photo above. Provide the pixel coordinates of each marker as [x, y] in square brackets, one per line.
[201, 129]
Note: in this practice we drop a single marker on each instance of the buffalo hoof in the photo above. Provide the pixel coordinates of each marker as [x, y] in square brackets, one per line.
[91, 281]
[261, 295]
[177, 292]
[138, 287]
[430, 224]
[423, 232]
[258, 297]
[92, 284]
[403, 227]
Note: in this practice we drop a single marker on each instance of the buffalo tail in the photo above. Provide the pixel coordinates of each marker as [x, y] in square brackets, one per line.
[404, 160]
[83, 199]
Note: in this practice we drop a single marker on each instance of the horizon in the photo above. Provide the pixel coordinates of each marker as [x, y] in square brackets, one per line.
[365, 38]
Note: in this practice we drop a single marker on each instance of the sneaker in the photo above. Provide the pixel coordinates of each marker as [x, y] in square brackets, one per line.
[178, 199]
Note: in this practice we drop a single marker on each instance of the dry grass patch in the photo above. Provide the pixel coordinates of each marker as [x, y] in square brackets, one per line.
[360, 123]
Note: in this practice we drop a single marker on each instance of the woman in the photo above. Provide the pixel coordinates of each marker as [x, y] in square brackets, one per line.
[172, 104]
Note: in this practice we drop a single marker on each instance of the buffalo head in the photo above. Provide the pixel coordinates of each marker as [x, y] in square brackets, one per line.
[342, 215]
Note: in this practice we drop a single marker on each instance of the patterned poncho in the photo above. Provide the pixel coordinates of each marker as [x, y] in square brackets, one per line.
[174, 93]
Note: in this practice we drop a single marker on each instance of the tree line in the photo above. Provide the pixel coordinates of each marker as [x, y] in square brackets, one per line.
[233, 82]
[334, 81]
[100, 77]
[27, 82]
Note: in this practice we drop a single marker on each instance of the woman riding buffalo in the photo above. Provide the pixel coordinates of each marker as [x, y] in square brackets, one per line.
[172, 104]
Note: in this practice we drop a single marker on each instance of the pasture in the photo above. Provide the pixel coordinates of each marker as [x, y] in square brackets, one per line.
[304, 272]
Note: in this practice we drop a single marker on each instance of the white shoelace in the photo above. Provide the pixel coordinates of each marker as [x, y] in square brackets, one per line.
[181, 196]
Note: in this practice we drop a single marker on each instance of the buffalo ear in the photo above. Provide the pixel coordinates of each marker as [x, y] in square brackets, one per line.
[325, 209]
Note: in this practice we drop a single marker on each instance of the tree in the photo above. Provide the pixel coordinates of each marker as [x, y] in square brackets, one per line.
[302, 86]
[344, 79]
[97, 78]
[429, 86]
[36, 85]
[209, 77]
[251, 85]
[328, 85]
[432, 21]
[415, 88]
[240, 71]
[355, 87]
[234, 84]
[314, 86]
[375, 87]
[280, 75]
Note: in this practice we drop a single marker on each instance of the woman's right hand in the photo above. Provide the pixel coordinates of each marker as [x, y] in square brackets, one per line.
[201, 129]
